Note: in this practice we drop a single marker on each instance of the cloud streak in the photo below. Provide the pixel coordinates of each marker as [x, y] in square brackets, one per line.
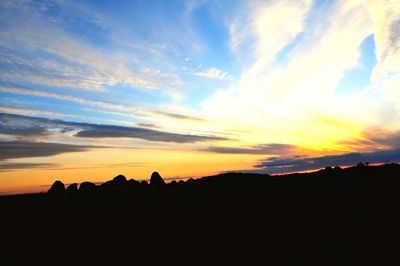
[131, 110]
[25, 126]
[212, 73]
[28, 111]
[272, 148]
[29, 149]
[375, 138]
[6, 167]
[108, 131]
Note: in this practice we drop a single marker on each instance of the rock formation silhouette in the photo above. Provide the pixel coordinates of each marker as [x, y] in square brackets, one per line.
[72, 188]
[87, 187]
[156, 180]
[117, 183]
[133, 183]
[119, 179]
[57, 187]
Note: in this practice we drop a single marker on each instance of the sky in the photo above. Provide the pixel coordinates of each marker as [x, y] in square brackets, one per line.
[92, 89]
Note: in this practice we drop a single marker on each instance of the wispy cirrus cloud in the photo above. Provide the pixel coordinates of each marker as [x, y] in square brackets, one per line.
[257, 31]
[386, 74]
[212, 73]
[65, 61]
[28, 111]
[114, 107]
[68, 58]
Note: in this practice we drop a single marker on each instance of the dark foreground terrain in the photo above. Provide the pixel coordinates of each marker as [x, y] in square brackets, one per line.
[329, 217]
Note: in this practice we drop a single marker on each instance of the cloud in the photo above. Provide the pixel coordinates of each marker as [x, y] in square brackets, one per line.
[114, 107]
[259, 30]
[28, 149]
[272, 148]
[74, 99]
[212, 73]
[77, 65]
[5, 167]
[64, 58]
[25, 126]
[108, 131]
[192, 5]
[386, 74]
[301, 163]
[147, 125]
[293, 70]
[386, 15]
[81, 47]
[180, 116]
[389, 139]
[97, 166]
[375, 138]
[28, 111]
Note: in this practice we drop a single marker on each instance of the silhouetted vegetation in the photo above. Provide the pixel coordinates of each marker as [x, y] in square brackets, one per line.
[333, 216]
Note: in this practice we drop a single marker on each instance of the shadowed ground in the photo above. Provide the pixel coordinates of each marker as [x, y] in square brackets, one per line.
[329, 217]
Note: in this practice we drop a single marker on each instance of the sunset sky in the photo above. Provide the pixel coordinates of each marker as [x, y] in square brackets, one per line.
[92, 89]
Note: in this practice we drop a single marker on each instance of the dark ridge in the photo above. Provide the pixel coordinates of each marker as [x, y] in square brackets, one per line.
[333, 216]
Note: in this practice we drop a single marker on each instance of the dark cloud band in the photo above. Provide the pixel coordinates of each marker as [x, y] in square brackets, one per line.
[301, 163]
[27, 149]
[4, 167]
[271, 148]
[26, 126]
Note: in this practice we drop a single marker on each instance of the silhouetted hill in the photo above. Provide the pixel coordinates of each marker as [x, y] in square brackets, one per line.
[329, 217]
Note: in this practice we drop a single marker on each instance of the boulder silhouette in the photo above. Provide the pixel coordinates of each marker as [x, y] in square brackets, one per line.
[57, 187]
[133, 183]
[72, 187]
[156, 180]
[119, 179]
[117, 183]
[87, 187]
